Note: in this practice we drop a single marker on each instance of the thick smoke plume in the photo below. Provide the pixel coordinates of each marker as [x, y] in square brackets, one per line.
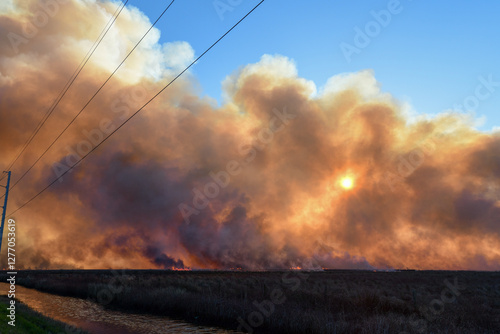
[254, 183]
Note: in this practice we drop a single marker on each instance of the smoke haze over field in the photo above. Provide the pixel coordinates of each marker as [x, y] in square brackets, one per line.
[254, 183]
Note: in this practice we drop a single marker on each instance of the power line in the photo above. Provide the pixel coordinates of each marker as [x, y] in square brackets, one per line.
[70, 81]
[139, 110]
[91, 99]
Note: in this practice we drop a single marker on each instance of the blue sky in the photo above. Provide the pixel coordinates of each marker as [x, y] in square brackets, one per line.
[430, 54]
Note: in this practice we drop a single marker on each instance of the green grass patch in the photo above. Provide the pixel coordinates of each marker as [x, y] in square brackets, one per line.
[27, 320]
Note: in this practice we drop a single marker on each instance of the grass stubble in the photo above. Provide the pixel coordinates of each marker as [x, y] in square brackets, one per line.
[293, 302]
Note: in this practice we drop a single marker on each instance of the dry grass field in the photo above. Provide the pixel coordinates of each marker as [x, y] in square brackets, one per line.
[331, 301]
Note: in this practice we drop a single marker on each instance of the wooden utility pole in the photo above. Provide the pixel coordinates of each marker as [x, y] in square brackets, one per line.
[4, 208]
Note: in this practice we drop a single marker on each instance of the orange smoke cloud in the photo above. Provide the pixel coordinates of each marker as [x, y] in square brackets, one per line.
[256, 183]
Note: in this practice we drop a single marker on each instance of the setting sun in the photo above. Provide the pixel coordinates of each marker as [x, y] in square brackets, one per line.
[347, 183]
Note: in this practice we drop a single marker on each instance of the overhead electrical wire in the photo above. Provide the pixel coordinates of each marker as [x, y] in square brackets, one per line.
[69, 83]
[91, 99]
[136, 112]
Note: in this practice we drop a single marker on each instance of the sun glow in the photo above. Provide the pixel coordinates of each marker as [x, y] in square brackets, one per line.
[347, 182]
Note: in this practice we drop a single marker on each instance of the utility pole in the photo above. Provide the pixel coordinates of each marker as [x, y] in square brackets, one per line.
[4, 208]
